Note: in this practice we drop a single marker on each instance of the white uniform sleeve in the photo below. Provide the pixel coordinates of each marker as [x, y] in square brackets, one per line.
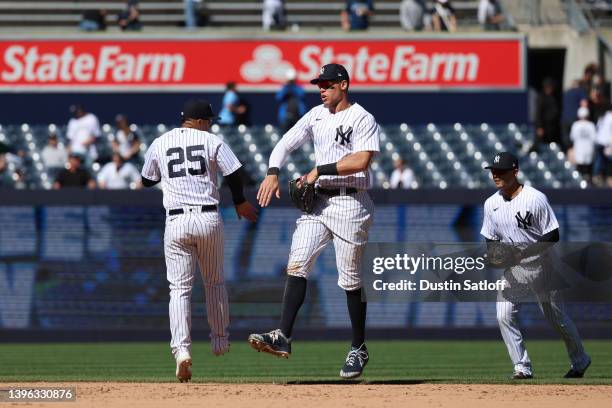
[573, 132]
[95, 126]
[71, 130]
[488, 230]
[545, 217]
[227, 160]
[150, 169]
[593, 131]
[292, 140]
[367, 135]
[395, 178]
[134, 175]
[103, 175]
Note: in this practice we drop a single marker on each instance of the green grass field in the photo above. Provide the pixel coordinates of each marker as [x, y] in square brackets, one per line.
[311, 362]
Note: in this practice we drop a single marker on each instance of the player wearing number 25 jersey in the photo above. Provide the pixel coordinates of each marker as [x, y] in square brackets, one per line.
[186, 161]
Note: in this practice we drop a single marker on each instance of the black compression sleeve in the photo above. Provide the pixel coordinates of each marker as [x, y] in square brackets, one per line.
[545, 242]
[330, 169]
[149, 183]
[552, 236]
[234, 181]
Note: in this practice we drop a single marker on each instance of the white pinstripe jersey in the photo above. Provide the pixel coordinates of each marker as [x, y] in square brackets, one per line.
[187, 161]
[336, 135]
[523, 219]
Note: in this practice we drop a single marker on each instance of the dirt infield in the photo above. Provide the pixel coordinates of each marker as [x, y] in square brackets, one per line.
[328, 395]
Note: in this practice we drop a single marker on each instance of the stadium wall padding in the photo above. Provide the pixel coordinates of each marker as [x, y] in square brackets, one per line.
[157, 107]
[93, 261]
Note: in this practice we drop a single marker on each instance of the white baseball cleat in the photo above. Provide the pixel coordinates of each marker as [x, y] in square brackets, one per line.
[183, 367]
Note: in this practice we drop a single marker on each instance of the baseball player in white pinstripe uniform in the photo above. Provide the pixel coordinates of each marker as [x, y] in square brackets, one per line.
[186, 161]
[521, 215]
[345, 138]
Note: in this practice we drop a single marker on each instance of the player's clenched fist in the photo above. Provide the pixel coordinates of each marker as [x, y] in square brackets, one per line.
[268, 188]
[246, 210]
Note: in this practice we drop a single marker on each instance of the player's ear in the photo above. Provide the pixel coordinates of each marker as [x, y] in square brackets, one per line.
[344, 85]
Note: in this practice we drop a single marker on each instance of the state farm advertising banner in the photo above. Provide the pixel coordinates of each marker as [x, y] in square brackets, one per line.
[191, 65]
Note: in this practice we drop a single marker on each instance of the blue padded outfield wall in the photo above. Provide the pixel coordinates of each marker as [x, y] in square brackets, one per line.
[387, 107]
[98, 263]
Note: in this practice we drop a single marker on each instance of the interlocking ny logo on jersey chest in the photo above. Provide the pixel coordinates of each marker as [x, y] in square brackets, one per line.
[523, 221]
[344, 135]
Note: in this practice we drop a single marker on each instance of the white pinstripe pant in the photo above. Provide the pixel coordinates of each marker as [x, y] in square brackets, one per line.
[192, 239]
[345, 220]
[521, 279]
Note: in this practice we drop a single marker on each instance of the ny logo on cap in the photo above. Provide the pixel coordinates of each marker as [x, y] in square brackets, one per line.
[496, 160]
[322, 70]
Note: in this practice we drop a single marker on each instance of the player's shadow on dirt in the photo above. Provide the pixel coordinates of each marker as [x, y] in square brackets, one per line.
[373, 382]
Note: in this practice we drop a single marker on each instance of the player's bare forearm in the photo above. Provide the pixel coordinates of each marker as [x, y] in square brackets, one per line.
[351, 164]
[268, 188]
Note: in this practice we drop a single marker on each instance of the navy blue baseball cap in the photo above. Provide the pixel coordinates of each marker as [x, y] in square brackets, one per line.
[331, 72]
[504, 161]
[197, 109]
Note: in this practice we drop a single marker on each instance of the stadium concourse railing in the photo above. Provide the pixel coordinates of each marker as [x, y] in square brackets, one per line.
[218, 13]
[85, 265]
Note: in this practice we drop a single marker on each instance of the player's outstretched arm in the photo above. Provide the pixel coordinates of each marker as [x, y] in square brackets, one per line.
[269, 187]
[244, 209]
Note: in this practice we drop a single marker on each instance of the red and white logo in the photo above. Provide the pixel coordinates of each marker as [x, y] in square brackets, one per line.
[426, 63]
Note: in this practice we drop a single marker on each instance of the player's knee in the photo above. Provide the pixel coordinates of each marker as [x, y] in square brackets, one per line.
[297, 269]
[350, 286]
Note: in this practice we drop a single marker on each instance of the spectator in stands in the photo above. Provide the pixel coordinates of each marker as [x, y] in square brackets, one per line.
[6, 178]
[412, 14]
[583, 135]
[587, 77]
[93, 20]
[54, 156]
[443, 16]
[292, 106]
[273, 15]
[196, 14]
[597, 103]
[231, 106]
[119, 175]
[129, 19]
[74, 175]
[603, 149]
[548, 116]
[190, 13]
[490, 15]
[573, 98]
[126, 141]
[356, 15]
[402, 176]
[83, 129]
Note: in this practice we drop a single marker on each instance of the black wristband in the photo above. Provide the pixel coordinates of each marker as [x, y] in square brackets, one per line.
[330, 169]
[273, 171]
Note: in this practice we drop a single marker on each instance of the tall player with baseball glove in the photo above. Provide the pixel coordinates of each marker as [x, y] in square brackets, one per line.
[338, 210]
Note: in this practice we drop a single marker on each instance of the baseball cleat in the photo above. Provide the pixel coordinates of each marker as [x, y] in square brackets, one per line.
[520, 375]
[356, 361]
[183, 367]
[577, 373]
[273, 342]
